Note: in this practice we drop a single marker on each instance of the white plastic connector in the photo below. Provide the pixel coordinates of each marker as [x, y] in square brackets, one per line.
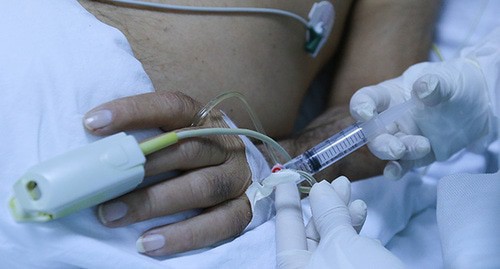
[321, 19]
[78, 179]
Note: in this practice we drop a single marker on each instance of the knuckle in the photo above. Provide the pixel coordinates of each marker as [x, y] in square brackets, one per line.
[242, 175]
[215, 187]
[201, 149]
[192, 239]
[183, 103]
[222, 188]
[149, 207]
[243, 215]
[187, 151]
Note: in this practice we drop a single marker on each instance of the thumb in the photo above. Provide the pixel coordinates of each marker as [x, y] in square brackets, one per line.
[432, 89]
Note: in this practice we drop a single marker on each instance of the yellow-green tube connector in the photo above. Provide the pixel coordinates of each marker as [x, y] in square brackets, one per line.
[158, 143]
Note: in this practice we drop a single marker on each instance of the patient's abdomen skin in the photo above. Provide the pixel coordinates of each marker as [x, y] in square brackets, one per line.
[203, 55]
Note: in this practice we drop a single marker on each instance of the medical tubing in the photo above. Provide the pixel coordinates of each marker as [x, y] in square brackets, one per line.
[309, 178]
[169, 7]
[237, 131]
[158, 143]
[202, 114]
[167, 139]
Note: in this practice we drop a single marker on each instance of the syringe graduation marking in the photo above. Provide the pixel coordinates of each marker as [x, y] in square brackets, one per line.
[348, 140]
[335, 147]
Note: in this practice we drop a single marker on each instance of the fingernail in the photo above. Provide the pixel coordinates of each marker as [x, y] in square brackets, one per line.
[98, 119]
[360, 208]
[423, 147]
[427, 90]
[433, 83]
[365, 111]
[112, 211]
[343, 188]
[393, 170]
[150, 242]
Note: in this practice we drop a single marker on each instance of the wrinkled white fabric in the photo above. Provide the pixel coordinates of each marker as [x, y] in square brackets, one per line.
[468, 214]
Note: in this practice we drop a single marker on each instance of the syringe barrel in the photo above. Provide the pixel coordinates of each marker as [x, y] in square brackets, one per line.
[329, 151]
[348, 140]
[378, 124]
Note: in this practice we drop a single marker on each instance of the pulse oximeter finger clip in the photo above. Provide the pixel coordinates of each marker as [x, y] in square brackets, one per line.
[78, 179]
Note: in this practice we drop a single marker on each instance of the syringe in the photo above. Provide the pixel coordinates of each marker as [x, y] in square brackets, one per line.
[346, 141]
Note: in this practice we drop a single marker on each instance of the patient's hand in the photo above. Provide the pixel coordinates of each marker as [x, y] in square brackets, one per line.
[214, 175]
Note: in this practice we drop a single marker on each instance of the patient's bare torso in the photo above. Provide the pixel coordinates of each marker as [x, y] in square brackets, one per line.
[203, 55]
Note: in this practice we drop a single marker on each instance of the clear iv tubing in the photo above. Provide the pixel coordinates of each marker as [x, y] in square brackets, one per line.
[347, 141]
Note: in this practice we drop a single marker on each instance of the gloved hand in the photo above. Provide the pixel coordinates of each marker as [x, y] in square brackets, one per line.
[452, 112]
[340, 246]
[333, 241]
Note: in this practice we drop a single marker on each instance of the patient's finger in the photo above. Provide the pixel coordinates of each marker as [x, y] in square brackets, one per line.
[198, 189]
[221, 222]
[189, 154]
[169, 110]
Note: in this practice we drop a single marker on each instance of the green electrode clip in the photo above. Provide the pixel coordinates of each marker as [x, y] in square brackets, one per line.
[321, 20]
[313, 41]
[321, 17]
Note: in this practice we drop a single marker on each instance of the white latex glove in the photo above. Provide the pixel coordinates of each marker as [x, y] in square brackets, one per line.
[340, 246]
[453, 112]
[332, 241]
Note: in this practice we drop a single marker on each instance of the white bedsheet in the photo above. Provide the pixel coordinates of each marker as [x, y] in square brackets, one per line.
[58, 61]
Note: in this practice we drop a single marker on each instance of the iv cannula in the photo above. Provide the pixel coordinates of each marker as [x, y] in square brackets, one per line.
[347, 141]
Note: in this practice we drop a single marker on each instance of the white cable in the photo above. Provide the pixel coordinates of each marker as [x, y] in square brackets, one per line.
[170, 7]
[228, 131]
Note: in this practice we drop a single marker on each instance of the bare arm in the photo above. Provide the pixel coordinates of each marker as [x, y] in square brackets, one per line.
[203, 55]
[383, 38]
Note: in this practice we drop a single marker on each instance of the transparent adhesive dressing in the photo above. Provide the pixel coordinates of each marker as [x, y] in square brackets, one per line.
[346, 141]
